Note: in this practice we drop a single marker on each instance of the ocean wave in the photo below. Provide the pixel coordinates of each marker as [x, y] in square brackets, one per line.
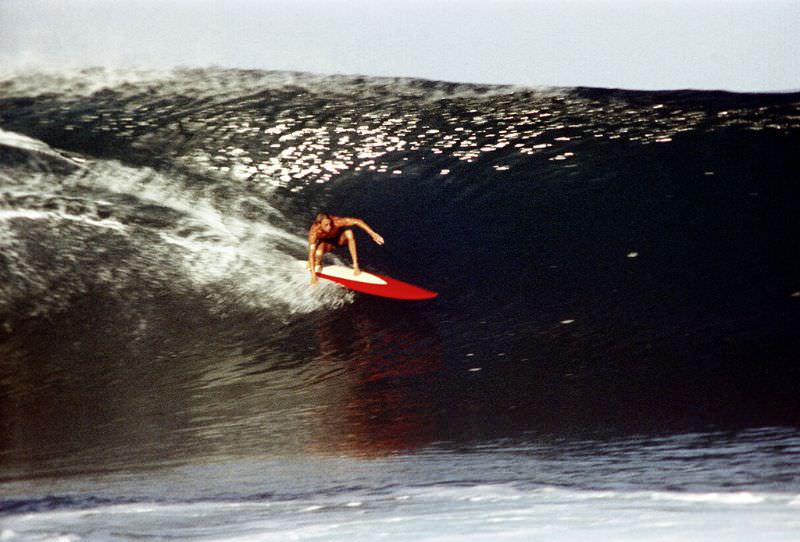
[598, 252]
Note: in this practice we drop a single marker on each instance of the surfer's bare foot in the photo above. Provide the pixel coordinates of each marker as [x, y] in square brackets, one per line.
[356, 270]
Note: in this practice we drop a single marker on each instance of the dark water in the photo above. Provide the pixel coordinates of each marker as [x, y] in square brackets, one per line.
[613, 266]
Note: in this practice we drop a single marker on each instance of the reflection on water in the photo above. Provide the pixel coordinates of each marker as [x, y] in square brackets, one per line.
[85, 396]
[386, 365]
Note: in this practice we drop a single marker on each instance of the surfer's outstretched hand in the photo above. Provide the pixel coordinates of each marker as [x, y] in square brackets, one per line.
[378, 239]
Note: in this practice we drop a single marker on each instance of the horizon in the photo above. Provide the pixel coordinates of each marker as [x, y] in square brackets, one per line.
[739, 45]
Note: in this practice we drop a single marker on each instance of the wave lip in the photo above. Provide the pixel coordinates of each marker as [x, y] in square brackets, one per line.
[30, 152]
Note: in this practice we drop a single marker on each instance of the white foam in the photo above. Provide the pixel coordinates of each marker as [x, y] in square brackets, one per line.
[230, 249]
[743, 497]
[76, 81]
[444, 512]
[45, 215]
[250, 262]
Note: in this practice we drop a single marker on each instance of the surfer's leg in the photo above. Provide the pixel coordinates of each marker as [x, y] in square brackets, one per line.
[351, 245]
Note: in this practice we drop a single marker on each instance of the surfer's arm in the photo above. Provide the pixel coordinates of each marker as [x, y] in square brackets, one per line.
[364, 226]
[311, 264]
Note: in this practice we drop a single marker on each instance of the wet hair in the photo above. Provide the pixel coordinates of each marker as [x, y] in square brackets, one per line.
[320, 217]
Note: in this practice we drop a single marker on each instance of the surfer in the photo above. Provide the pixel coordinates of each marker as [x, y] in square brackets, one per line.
[328, 232]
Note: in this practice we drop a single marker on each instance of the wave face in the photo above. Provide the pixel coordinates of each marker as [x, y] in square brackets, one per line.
[607, 260]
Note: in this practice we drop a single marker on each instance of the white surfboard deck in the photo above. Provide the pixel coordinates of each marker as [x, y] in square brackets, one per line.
[342, 272]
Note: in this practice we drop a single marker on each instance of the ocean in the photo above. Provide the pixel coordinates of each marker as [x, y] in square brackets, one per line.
[613, 354]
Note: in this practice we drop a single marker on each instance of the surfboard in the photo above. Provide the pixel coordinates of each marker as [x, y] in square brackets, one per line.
[373, 284]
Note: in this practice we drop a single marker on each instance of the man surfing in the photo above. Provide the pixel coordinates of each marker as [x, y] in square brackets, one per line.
[328, 232]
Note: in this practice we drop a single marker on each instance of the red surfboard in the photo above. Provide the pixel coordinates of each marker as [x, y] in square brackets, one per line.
[370, 283]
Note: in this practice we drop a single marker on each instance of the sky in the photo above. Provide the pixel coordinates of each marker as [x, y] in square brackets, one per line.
[739, 45]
